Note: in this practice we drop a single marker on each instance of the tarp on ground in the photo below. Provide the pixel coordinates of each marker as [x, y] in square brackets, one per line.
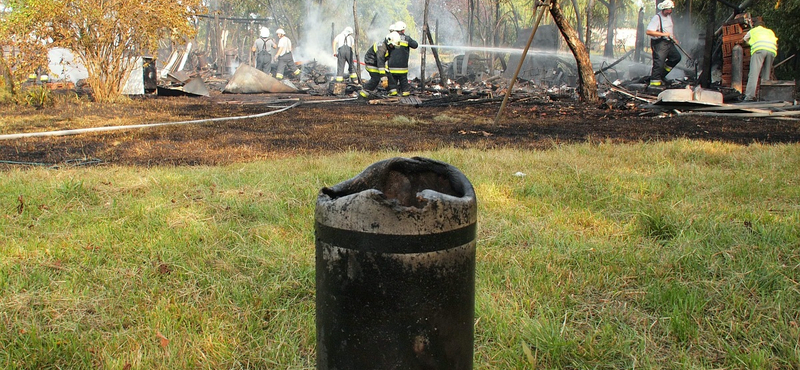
[249, 80]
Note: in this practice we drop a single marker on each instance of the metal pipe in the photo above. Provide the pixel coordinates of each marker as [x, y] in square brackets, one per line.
[783, 61]
[395, 268]
[737, 67]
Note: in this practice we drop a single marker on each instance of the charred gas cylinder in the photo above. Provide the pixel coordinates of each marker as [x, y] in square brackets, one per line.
[395, 268]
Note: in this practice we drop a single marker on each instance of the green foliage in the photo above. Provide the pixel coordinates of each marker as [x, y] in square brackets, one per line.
[38, 96]
[6, 98]
[778, 15]
[6, 81]
[72, 189]
[6, 95]
[659, 225]
[22, 55]
[781, 17]
[104, 35]
[681, 308]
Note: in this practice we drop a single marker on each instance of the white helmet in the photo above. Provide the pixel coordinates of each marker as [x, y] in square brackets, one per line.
[264, 32]
[280, 31]
[393, 38]
[348, 30]
[666, 4]
[392, 27]
[400, 26]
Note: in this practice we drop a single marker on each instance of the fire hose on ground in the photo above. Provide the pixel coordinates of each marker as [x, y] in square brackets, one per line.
[150, 125]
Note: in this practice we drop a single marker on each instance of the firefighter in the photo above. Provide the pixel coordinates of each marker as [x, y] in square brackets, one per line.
[763, 50]
[398, 61]
[263, 47]
[283, 57]
[662, 41]
[375, 61]
[343, 51]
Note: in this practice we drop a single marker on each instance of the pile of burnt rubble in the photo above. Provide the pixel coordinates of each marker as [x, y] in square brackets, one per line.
[679, 96]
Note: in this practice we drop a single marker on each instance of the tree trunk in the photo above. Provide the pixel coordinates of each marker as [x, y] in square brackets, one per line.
[218, 54]
[578, 19]
[470, 22]
[423, 51]
[588, 40]
[289, 27]
[496, 39]
[496, 35]
[640, 37]
[435, 53]
[5, 73]
[705, 80]
[588, 84]
[608, 52]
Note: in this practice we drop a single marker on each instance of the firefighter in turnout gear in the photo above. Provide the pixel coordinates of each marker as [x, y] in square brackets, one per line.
[343, 51]
[662, 41]
[398, 61]
[263, 47]
[375, 61]
[763, 50]
[284, 57]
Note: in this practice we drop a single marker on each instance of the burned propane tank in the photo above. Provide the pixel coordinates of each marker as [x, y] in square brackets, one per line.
[395, 268]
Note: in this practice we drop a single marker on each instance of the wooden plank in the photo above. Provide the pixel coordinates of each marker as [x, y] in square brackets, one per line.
[384, 101]
[410, 100]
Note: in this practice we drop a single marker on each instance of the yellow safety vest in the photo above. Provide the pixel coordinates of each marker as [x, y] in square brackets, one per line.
[762, 38]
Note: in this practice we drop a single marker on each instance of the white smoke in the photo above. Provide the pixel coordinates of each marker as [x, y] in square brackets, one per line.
[324, 20]
[212, 5]
[449, 31]
[315, 42]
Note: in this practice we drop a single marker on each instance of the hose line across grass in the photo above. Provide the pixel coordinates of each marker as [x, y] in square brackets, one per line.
[145, 125]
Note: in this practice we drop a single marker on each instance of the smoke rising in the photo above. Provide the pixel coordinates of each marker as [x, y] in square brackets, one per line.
[322, 22]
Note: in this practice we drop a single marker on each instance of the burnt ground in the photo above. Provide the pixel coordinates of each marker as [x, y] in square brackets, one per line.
[327, 127]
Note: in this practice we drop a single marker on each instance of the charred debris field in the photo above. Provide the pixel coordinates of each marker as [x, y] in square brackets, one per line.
[319, 125]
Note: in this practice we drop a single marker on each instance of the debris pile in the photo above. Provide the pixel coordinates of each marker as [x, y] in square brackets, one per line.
[545, 76]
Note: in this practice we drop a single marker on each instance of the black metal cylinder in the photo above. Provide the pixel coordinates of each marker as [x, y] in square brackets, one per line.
[395, 268]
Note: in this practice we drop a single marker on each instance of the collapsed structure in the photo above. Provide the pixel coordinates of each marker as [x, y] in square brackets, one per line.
[228, 68]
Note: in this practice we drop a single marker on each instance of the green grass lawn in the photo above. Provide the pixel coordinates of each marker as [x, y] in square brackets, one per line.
[649, 256]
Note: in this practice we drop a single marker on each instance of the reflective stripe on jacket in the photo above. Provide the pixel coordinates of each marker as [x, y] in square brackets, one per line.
[762, 38]
[375, 58]
[398, 61]
[398, 70]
